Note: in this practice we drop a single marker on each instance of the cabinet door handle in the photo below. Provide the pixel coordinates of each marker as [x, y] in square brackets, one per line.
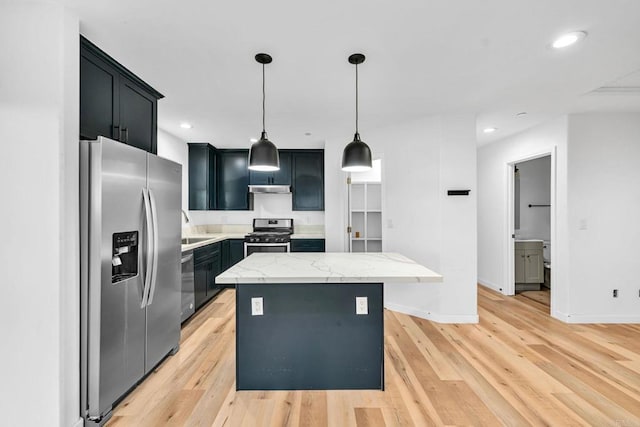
[115, 132]
[126, 135]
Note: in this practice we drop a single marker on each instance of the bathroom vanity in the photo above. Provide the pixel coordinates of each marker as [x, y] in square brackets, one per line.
[529, 265]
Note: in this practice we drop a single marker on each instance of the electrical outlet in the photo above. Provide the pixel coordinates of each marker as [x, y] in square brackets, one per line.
[615, 293]
[362, 305]
[257, 308]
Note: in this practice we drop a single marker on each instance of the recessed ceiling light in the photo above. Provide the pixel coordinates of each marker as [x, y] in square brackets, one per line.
[489, 130]
[186, 125]
[307, 133]
[568, 39]
[253, 139]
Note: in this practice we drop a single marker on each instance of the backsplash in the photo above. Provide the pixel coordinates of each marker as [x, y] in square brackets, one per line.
[193, 230]
[264, 206]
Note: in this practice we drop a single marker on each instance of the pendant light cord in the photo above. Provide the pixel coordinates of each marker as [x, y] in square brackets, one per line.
[263, 98]
[356, 98]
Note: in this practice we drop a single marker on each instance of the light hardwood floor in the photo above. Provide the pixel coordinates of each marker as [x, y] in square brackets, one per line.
[517, 367]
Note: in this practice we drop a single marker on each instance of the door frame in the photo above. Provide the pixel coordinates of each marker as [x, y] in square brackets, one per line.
[509, 232]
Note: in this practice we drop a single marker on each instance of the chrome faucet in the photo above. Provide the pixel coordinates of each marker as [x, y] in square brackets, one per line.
[185, 216]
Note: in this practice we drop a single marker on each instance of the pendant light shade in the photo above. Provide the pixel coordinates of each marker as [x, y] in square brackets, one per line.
[263, 155]
[356, 156]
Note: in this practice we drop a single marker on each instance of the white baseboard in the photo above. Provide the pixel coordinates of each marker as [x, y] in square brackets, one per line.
[490, 285]
[78, 423]
[436, 317]
[595, 318]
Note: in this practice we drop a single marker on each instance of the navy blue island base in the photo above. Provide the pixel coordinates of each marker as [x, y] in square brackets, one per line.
[309, 337]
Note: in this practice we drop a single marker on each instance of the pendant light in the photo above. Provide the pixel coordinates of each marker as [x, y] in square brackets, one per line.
[263, 155]
[356, 156]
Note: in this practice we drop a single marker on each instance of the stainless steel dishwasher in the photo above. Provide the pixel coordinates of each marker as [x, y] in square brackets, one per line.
[188, 298]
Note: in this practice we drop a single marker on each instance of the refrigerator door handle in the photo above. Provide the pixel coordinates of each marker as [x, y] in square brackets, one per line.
[150, 246]
[154, 268]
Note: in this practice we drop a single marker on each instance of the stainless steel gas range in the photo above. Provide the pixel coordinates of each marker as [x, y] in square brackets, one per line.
[269, 235]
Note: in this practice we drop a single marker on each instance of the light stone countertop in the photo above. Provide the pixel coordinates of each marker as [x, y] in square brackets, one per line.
[307, 236]
[322, 267]
[210, 238]
[218, 237]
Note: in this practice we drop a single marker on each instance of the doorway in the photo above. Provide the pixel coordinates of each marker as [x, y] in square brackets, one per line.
[531, 193]
[364, 210]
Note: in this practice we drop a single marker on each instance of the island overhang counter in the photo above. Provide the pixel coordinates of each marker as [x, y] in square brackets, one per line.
[314, 321]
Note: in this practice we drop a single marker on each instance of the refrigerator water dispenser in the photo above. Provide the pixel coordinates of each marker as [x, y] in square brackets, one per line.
[124, 256]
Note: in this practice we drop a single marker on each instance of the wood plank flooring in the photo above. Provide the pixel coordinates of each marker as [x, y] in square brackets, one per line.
[517, 367]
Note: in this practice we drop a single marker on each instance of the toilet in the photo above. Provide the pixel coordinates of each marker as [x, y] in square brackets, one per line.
[546, 253]
[546, 256]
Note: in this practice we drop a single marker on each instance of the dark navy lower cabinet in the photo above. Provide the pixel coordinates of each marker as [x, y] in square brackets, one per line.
[309, 337]
[236, 251]
[232, 253]
[207, 264]
[307, 245]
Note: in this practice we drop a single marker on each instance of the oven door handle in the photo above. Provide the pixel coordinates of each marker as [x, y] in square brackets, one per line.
[267, 244]
[255, 244]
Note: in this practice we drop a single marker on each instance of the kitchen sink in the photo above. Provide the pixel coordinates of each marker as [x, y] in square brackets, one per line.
[190, 240]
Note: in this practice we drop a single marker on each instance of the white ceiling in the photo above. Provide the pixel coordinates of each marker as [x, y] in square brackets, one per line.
[424, 57]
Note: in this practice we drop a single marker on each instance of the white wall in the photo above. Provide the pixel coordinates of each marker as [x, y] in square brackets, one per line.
[173, 148]
[493, 221]
[597, 205]
[604, 212]
[535, 188]
[421, 160]
[264, 205]
[39, 223]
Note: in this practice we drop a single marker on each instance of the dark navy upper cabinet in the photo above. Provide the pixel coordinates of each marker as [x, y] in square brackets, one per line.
[138, 116]
[202, 176]
[98, 103]
[233, 181]
[219, 178]
[114, 102]
[307, 180]
[279, 177]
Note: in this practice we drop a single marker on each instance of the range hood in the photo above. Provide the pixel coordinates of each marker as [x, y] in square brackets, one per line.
[270, 189]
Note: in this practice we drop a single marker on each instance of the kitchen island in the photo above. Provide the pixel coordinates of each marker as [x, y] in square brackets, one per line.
[314, 320]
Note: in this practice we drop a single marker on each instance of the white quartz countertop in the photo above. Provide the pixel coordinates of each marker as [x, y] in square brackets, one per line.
[327, 267]
[307, 236]
[209, 238]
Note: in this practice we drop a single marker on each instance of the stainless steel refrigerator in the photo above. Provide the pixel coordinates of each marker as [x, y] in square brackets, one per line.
[130, 269]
